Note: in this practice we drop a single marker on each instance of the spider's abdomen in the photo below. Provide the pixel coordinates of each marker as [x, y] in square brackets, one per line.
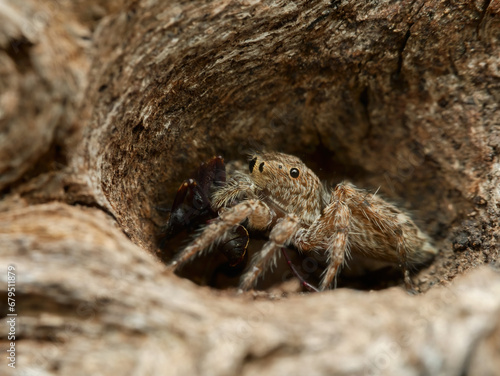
[373, 241]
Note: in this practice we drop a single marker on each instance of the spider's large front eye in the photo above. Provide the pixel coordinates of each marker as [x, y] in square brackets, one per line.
[294, 173]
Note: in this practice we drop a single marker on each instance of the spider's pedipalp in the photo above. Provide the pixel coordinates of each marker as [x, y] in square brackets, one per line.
[280, 234]
[215, 230]
[235, 190]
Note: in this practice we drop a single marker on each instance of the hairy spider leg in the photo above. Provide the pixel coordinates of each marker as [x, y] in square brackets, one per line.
[385, 223]
[331, 230]
[281, 232]
[256, 212]
[339, 215]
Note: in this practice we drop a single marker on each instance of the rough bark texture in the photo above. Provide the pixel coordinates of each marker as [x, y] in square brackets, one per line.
[104, 110]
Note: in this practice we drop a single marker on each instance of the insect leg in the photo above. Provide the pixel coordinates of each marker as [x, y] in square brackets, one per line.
[294, 270]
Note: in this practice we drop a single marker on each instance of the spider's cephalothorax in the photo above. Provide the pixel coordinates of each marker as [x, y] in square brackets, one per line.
[282, 195]
[285, 180]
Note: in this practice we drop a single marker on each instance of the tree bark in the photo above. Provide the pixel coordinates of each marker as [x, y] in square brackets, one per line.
[104, 110]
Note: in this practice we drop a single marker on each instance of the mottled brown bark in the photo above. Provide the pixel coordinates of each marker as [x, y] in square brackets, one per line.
[104, 110]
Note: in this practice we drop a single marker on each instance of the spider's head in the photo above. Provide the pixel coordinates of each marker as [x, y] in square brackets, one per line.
[287, 181]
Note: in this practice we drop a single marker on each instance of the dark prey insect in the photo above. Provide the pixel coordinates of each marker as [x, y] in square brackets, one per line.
[282, 195]
[192, 208]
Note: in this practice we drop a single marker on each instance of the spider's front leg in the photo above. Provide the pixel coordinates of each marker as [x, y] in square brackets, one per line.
[329, 232]
[282, 231]
[256, 211]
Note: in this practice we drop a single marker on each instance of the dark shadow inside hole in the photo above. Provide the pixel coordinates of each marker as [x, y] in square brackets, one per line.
[329, 168]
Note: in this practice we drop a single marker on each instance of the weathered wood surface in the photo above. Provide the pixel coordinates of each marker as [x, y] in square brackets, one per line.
[105, 109]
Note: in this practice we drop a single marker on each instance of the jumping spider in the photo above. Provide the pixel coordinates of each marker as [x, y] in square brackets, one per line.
[282, 195]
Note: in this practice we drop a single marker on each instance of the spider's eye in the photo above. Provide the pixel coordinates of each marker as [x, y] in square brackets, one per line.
[251, 164]
[294, 173]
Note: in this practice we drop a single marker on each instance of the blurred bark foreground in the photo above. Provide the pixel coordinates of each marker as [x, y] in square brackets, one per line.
[104, 110]
[101, 305]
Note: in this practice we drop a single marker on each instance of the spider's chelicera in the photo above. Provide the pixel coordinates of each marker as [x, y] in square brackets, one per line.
[281, 195]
